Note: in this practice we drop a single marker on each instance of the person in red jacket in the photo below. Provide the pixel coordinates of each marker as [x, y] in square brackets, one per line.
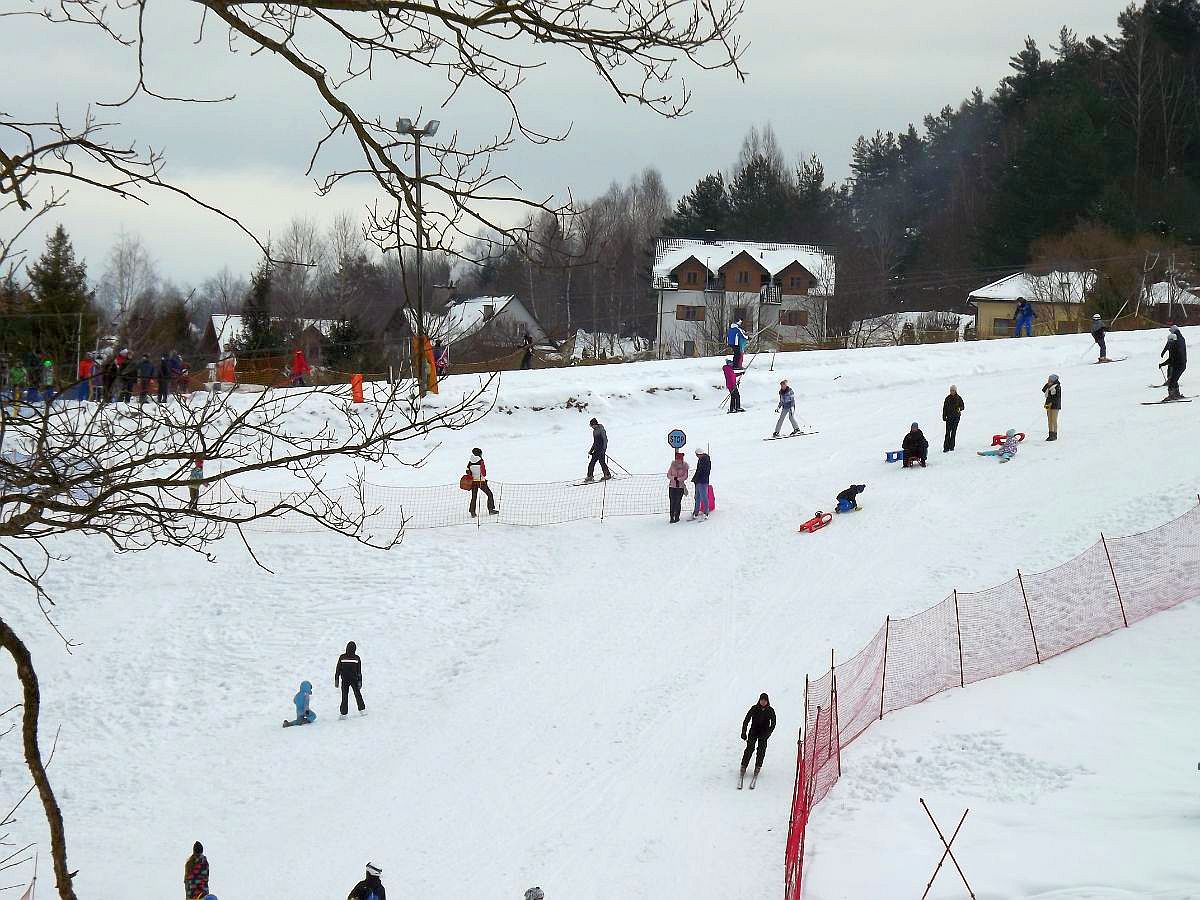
[300, 368]
[87, 368]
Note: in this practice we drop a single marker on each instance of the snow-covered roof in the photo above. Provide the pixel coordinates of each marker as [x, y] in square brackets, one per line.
[466, 316]
[670, 253]
[1053, 287]
[608, 344]
[227, 328]
[884, 331]
[1164, 292]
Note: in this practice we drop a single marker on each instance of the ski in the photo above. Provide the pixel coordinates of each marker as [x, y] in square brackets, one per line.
[1114, 359]
[585, 482]
[1156, 386]
[1161, 402]
[784, 437]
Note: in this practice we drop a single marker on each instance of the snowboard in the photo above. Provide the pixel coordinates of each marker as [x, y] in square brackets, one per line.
[1161, 402]
[784, 437]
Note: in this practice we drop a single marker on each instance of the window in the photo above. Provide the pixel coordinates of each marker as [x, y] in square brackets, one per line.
[692, 277]
[689, 313]
[488, 311]
[743, 277]
[689, 348]
[796, 318]
[1002, 327]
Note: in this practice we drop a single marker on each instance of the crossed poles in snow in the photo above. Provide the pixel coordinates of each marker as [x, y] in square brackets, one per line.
[946, 852]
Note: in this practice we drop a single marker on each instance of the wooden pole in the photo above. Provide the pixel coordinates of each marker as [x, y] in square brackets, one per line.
[962, 680]
[887, 628]
[1029, 615]
[1113, 572]
[834, 726]
[947, 851]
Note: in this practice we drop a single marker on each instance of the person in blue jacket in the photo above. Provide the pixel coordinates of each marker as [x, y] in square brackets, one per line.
[304, 715]
[1024, 316]
[737, 341]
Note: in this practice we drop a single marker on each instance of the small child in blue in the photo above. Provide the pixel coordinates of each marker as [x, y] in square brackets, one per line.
[304, 715]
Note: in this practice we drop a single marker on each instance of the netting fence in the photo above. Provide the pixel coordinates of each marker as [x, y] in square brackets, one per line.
[968, 637]
[389, 509]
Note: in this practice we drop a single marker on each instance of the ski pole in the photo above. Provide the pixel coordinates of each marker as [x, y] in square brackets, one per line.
[619, 466]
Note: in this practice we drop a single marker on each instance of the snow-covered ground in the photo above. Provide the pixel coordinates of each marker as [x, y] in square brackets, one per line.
[560, 706]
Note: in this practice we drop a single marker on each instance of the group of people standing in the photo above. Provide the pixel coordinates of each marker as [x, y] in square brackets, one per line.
[677, 484]
[31, 372]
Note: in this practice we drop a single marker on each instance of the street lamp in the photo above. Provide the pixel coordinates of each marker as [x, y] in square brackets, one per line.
[405, 126]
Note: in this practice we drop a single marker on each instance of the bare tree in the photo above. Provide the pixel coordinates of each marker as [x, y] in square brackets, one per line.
[129, 276]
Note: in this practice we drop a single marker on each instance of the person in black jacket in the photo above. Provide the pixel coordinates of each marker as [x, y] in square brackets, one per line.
[756, 730]
[847, 500]
[916, 447]
[952, 410]
[348, 676]
[164, 378]
[126, 376]
[146, 371]
[1176, 362]
[598, 452]
[700, 481]
[370, 888]
[1053, 391]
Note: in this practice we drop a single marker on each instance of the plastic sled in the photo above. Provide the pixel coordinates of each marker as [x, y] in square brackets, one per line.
[712, 500]
[998, 439]
[817, 522]
[893, 456]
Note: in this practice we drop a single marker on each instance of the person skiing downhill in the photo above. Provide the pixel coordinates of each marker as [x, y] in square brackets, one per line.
[1053, 391]
[737, 340]
[1176, 361]
[952, 410]
[370, 888]
[916, 447]
[1099, 330]
[304, 715]
[477, 469]
[756, 731]
[677, 475]
[598, 452]
[786, 408]
[1007, 449]
[700, 480]
[731, 384]
[847, 499]
[195, 874]
[1024, 315]
[348, 676]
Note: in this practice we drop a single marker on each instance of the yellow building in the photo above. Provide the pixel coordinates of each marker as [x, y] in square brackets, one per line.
[1058, 298]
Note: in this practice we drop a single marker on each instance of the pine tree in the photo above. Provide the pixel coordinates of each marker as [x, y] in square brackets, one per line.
[705, 209]
[258, 330]
[759, 200]
[63, 307]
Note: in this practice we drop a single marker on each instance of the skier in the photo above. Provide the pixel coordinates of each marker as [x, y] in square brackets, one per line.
[731, 384]
[916, 447]
[786, 408]
[760, 719]
[195, 874]
[1099, 330]
[1024, 316]
[146, 370]
[527, 359]
[1053, 391]
[370, 888]
[700, 484]
[304, 715]
[846, 500]
[1006, 450]
[677, 474]
[1176, 362]
[477, 469]
[598, 452]
[737, 341]
[300, 368]
[348, 676]
[194, 478]
[952, 410]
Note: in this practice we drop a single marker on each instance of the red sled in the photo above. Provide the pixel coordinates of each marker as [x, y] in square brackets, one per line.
[998, 439]
[817, 522]
[712, 500]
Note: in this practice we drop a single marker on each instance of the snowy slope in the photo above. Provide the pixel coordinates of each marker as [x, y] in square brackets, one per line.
[561, 706]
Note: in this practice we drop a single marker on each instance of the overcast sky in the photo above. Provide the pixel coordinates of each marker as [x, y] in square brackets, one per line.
[821, 73]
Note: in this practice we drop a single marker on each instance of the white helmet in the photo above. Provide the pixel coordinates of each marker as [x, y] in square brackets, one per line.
[1096, 316]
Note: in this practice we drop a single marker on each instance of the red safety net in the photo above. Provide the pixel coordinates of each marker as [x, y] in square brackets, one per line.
[968, 637]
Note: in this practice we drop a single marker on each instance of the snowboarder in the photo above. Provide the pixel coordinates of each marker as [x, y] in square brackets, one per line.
[477, 469]
[146, 371]
[916, 447]
[952, 410]
[731, 384]
[846, 500]
[370, 888]
[348, 676]
[598, 452]
[1024, 315]
[737, 341]
[1176, 361]
[1099, 330]
[300, 368]
[195, 874]
[194, 477]
[535, 893]
[786, 408]
[304, 715]
[1007, 449]
[1053, 391]
[756, 731]
[677, 475]
[527, 359]
[700, 480]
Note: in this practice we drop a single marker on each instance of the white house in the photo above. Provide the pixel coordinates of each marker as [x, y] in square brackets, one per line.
[482, 327]
[1057, 297]
[779, 291]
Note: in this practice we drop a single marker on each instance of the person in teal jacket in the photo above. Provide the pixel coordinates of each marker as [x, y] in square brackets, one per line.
[304, 715]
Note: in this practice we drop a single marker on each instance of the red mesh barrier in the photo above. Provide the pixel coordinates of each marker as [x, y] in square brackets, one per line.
[971, 636]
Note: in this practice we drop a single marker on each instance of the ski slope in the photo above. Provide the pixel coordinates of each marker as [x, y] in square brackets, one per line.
[560, 706]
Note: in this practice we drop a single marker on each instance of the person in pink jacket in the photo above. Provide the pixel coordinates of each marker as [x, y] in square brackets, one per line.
[731, 383]
[677, 476]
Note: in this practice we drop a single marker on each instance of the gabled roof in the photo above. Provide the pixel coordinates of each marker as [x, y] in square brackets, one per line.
[1164, 292]
[671, 253]
[465, 317]
[750, 256]
[1056, 286]
[227, 328]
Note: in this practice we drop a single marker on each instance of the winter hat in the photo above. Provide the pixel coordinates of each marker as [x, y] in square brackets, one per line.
[915, 425]
[477, 451]
[1010, 432]
[953, 389]
[47, 363]
[197, 848]
[1174, 329]
[679, 454]
[1096, 316]
[1172, 336]
[762, 697]
[373, 869]
[306, 687]
[593, 422]
[1054, 379]
[351, 647]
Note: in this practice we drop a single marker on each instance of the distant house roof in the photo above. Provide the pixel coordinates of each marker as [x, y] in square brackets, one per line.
[1164, 292]
[226, 329]
[467, 316]
[1053, 287]
[670, 253]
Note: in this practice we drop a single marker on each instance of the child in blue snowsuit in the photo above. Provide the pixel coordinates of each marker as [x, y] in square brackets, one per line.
[304, 715]
[1024, 315]
[737, 341]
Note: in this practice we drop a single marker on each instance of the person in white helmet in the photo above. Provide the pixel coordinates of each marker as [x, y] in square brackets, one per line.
[1099, 330]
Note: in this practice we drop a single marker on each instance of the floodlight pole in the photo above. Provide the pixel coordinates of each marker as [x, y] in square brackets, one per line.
[405, 126]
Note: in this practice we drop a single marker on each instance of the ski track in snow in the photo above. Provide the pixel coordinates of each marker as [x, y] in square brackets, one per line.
[561, 705]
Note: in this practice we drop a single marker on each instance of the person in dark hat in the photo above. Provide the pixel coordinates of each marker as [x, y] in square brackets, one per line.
[195, 874]
[916, 447]
[756, 731]
[370, 888]
[598, 452]
[348, 676]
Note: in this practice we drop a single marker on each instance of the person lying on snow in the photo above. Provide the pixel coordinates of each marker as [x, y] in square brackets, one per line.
[1008, 449]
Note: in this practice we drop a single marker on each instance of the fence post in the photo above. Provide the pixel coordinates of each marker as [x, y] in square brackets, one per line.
[962, 681]
[1113, 572]
[603, 496]
[1029, 615]
[887, 629]
[835, 727]
[805, 704]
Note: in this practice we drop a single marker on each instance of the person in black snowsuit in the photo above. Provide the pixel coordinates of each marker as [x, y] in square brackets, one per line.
[599, 451]
[848, 499]
[952, 410]
[756, 730]
[916, 447]
[348, 676]
[1176, 362]
[370, 888]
